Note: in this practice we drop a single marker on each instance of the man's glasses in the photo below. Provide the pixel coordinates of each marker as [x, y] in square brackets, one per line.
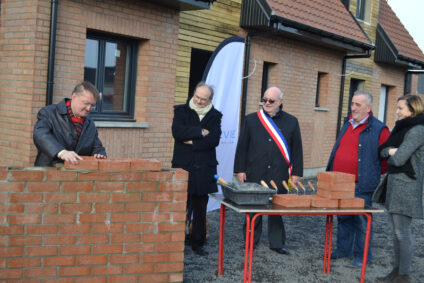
[265, 100]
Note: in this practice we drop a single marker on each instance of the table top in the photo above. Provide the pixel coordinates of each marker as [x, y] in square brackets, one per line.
[273, 208]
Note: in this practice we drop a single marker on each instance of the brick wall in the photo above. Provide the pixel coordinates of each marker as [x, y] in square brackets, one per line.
[114, 220]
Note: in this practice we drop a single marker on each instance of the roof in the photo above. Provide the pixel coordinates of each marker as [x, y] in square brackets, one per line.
[398, 34]
[326, 18]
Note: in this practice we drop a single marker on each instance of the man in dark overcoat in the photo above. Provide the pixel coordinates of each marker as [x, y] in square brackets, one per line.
[258, 157]
[64, 132]
[196, 129]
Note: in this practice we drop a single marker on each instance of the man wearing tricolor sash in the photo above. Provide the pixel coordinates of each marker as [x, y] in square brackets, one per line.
[270, 148]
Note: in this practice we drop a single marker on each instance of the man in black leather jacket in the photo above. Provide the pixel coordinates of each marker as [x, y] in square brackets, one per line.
[64, 132]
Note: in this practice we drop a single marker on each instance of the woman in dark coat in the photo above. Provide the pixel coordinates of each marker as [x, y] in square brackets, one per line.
[196, 129]
[404, 152]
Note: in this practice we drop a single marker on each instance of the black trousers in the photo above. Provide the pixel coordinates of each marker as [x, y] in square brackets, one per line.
[276, 231]
[198, 205]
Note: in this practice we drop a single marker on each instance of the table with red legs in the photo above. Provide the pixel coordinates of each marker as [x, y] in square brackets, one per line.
[272, 209]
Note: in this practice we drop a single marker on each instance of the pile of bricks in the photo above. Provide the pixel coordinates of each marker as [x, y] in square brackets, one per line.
[335, 190]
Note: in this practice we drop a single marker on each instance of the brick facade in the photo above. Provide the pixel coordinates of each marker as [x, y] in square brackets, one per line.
[113, 220]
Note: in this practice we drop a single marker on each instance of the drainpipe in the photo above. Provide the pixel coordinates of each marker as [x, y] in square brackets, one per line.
[339, 115]
[52, 51]
[245, 79]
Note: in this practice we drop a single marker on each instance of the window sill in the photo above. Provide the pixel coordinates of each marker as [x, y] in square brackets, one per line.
[321, 109]
[104, 124]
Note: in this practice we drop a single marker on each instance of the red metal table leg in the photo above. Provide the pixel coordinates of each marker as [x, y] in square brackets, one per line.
[221, 240]
[366, 246]
[252, 237]
[328, 239]
[246, 247]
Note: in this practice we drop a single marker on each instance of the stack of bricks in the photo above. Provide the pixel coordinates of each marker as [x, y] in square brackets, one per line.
[111, 220]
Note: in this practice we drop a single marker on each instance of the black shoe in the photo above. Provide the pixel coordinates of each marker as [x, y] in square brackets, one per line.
[200, 251]
[389, 277]
[282, 251]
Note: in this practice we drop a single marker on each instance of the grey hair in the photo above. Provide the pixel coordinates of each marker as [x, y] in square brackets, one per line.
[202, 83]
[366, 93]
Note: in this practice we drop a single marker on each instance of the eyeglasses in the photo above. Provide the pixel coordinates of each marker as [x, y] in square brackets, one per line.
[265, 100]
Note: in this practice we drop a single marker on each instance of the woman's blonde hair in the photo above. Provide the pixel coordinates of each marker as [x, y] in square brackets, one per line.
[414, 103]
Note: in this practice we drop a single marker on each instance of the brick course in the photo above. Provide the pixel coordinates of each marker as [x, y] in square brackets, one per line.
[104, 232]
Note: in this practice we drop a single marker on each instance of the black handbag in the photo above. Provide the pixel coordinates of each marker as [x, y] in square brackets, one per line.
[379, 195]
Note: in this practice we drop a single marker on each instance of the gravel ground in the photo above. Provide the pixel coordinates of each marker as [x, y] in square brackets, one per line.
[305, 240]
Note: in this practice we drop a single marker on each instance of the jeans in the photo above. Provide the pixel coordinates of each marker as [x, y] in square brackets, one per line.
[351, 230]
[402, 242]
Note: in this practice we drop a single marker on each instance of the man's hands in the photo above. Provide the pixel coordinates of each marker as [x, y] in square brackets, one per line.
[241, 176]
[204, 134]
[73, 157]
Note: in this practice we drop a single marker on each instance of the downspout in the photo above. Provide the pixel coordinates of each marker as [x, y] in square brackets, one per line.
[339, 115]
[52, 51]
[245, 78]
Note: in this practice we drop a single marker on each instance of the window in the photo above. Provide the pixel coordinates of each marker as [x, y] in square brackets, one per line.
[110, 64]
[420, 87]
[355, 85]
[382, 106]
[268, 77]
[198, 63]
[363, 9]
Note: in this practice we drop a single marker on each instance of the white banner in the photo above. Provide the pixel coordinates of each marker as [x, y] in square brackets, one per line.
[224, 72]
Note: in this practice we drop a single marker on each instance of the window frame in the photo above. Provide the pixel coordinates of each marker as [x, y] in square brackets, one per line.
[130, 93]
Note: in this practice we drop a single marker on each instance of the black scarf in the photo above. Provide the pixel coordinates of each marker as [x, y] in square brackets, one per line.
[396, 138]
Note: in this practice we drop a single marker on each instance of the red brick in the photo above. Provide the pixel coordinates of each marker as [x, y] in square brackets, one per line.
[40, 251]
[175, 257]
[92, 279]
[23, 262]
[3, 220]
[173, 187]
[59, 261]
[126, 176]
[123, 258]
[3, 197]
[57, 174]
[12, 187]
[57, 218]
[169, 247]
[139, 248]
[158, 176]
[14, 208]
[2, 263]
[93, 239]
[114, 164]
[156, 217]
[108, 228]
[60, 197]
[168, 227]
[10, 273]
[91, 259]
[137, 207]
[43, 187]
[75, 208]
[157, 237]
[75, 271]
[151, 258]
[110, 186]
[109, 207]
[41, 229]
[171, 206]
[94, 197]
[24, 240]
[125, 217]
[124, 278]
[179, 197]
[77, 186]
[335, 194]
[74, 228]
[86, 164]
[105, 270]
[175, 277]
[169, 267]
[25, 219]
[11, 230]
[25, 175]
[11, 251]
[180, 174]
[178, 216]
[40, 272]
[108, 249]
[125, 238]
[352, 203]
[126, 197]
[59, 240]
[140, 227]
[26, 197]
[92, 218]
[146, 164]
[335, 177]
[323, 185]
[75, 250]
[178, 236]
[59, 280]
[143, 186]
[154, 278]
[41, 208]
[4, 171]
[139, 268]
[3, 241]
[94, 176]
[324, 202]
[157, 197]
